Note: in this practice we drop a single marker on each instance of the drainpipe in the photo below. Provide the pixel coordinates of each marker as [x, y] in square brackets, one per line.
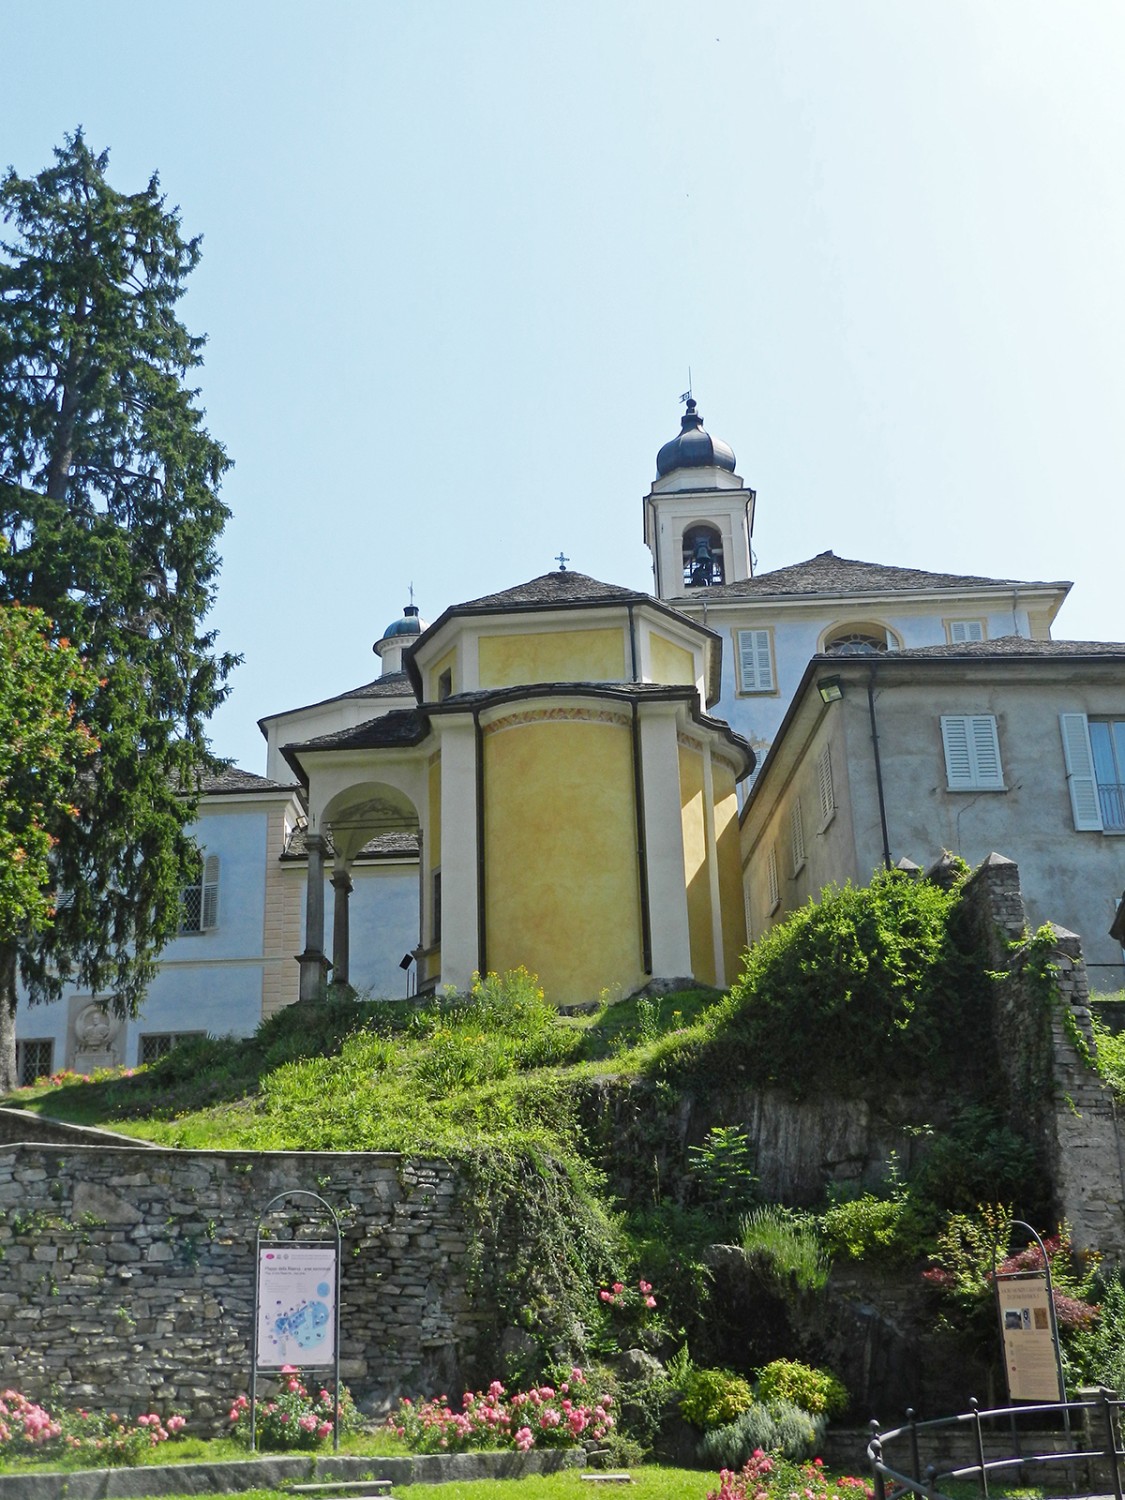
[632, 642]
[482, 921]
[642, 847]
[878, 767]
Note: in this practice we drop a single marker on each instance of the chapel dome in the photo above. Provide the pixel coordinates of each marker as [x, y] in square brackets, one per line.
[409, 624]
[693, 448]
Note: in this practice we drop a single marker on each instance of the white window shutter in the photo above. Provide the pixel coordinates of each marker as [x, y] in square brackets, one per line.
[965, 630]
[755, 661]
[771, 878]
[1080, 772]
[797, 835]
[209, 913]
[972, 753]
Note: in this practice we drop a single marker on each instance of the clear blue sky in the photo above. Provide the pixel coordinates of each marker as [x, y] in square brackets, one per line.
[458, 258]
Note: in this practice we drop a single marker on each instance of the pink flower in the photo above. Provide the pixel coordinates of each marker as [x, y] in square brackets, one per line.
[524, 1439]
[618, 1287]
[606, 1296]
[650, 1301]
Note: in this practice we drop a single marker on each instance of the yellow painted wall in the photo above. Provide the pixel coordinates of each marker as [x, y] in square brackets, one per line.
[730, 869]
[670, 663]
[561, 656]
[561, 883]
[433, 859]
[446, 663]
[695, 866]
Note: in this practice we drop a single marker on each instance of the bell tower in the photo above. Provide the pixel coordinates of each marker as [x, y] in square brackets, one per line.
[699, 515]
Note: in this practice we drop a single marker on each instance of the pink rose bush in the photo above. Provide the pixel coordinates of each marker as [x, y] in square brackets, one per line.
[27, 1427]
[765, 1476]
[545, 1416]
[294, 1417]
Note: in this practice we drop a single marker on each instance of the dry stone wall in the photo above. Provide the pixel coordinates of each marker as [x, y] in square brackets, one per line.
[127, 1273]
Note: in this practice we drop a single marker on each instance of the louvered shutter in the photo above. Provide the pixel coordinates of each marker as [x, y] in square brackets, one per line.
[209, 912]
[1080, 779]
[755, 661]
[824, 784]
[965, 630]
[972, 753]
[771, 878]
[797, 835]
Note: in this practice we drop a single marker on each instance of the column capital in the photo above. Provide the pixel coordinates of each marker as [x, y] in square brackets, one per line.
[342, 881]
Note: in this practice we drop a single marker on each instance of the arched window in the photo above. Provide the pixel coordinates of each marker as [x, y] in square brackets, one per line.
[703, 557]
[859, 638]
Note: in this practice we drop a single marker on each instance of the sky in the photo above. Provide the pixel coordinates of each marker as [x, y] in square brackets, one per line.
[458, 259]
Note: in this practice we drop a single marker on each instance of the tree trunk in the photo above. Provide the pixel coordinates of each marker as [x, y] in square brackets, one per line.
[9, 1078]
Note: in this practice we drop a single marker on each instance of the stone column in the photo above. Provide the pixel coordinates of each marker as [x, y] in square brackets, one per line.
[314, 965]
[342, 889]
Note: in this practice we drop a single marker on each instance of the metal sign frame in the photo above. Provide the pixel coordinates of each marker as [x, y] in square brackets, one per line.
[275, 1206]
[1043, 1275]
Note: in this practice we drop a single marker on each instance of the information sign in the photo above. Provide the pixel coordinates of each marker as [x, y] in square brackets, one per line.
[296, 1305]
[1030, 1360]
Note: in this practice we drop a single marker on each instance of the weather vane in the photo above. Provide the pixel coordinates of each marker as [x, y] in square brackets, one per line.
[687, 394]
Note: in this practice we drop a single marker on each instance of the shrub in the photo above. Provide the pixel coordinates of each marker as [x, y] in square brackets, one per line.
[787, 1246]
[765, 1477]
[723, 1170]
[873, 1228]
[712, 1398]
[25, 1427]
[294, 1418]
[780, 1427]
[546, 1416]
[814, 1391]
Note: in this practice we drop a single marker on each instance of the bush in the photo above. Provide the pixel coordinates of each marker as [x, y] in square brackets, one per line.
[787, 1245]
[815, 1391]
[546, 1416]
[712, 1398]
[723, 1172]
[765, 1477]
[778, 1428]
[294, 1418]
[26, 1427]
[872, 1228]
[868, 984]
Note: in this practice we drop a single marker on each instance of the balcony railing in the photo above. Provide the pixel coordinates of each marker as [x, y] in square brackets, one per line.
[1111, 796]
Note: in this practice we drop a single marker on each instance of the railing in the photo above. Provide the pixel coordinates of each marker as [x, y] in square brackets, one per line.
[1095, 1422]
[1111, 795]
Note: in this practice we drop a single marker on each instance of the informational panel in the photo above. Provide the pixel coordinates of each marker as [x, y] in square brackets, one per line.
[1030, 1358]
[296, 1305]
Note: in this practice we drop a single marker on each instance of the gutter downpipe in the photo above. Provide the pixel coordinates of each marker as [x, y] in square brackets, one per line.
[878, 767]
[482, 924]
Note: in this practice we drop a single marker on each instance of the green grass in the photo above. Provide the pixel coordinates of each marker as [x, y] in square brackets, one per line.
[381, 1076]
[649, 1483]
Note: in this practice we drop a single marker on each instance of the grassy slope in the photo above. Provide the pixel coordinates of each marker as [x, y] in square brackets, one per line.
[382, 1076]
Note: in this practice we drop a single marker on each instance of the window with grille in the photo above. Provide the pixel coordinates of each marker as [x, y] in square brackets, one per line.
[1094, 753]
[34, 1059]
[755, 661]
[972, 753]
[154, 1045]
[797, 836]
[199, 902]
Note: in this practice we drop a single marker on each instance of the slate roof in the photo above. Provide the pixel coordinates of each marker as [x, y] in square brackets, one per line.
[383, 846]
[231, 780]
[402, 726]
[828, 574]
[1006, 646]
[552, 588]
[393, 685]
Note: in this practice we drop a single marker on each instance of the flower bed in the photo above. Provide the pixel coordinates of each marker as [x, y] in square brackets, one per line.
[544, 1416]
[767, 1477]
[28, 1428]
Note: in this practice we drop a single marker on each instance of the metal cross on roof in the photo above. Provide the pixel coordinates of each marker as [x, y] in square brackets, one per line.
[562, 561]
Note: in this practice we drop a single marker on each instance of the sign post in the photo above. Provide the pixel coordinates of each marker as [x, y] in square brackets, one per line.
[297, 1300]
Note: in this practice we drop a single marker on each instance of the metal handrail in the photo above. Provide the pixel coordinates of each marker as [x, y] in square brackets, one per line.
[929, 1483]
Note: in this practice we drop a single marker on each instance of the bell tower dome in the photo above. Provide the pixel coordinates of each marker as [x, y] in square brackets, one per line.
[699, 515]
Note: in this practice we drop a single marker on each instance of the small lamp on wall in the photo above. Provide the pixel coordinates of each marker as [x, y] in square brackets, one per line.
[831, 689]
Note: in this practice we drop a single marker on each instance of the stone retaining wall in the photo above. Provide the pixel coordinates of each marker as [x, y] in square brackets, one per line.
[127, 1274]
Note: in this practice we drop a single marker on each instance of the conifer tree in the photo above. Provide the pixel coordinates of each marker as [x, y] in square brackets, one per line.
[109, 504]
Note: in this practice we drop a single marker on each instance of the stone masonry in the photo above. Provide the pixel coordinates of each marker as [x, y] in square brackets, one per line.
[127, 1273]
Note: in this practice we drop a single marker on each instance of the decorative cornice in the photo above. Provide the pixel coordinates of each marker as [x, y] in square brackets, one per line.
[557, 715]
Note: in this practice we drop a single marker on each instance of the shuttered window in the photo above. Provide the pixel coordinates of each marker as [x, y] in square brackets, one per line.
[797, 835]
[771, 879]
[755, 661]
[824, 784]
[200, 901]
[1081, 781]
[966, 630]
[972, 753]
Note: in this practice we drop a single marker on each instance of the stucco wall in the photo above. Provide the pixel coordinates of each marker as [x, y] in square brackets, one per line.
[562, 656]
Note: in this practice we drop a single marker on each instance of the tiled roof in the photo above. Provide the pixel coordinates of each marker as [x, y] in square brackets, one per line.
[402, 726]
[393, 685]
[828, 574]
[231, 779]
[553, 588]
[383, 846]
[1006, 646]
